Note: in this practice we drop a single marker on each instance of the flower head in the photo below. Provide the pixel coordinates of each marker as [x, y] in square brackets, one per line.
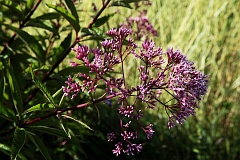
[159, 72]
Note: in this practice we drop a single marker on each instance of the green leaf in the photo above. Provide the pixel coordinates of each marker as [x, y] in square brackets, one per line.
[72, 8]
[18, 142]
[99, 32]
[64, 126]
[121, 4]
[2, 82]
[61, 50]
[30, 41]
[7, 113]
[40, 107]
[4, 148]
[14, 9]
[102, 20]
[131, 1]
[66, 42]
[96, 34]
[15, 91]
[48, 16]
[57, 93]
[42, 25]
[85, 32]
[43, 88]
[40, 145]
[30, 4]
[50, 130]
[68, 16]
[74, 70]
[78, 121]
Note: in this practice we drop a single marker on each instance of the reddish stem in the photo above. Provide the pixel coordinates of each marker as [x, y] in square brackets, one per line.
[59, 111]
[98, 14]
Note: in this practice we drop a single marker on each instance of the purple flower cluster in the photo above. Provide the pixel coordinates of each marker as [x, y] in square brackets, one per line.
[173, 74]
[140, 26]
[73, 88]
[130, 149]
[187, 84]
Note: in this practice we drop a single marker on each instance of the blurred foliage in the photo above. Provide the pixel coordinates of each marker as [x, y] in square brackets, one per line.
[36, 38]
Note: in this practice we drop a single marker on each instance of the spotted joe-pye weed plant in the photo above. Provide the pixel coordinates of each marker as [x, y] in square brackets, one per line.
[24, 113]
[167, 72]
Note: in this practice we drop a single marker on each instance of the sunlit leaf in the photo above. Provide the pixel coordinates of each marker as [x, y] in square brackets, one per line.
[102, 20]
[61, 50]
[43, 88]
[121, 4]
[131, 1]
[68, 16]
[13, 8]
[48, 16]
[42, 25]
[30, 4]
[40, 107]
[7, 113]
[73, 70]
[72, 8]
[30, 41]
[95, 32]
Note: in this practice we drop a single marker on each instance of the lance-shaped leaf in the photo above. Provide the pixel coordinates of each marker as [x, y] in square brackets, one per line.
[40, 107]
[64, 126]
[72, 8]
[18, 142]
[48, 16]
[7, 149]
[50, 130]
[30, 41]
[121, 3]
[42, 87]
[14, 9]
[74, 70]
[2, 82]
[61, 50]
[7, 113]
[15, 91]
[79, 122]
[68, 16]
[40, 145]
[102, 20]
[43, 25]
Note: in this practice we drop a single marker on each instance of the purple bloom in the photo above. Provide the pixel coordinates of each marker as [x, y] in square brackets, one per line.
[187, 84]
[82, 52]
[140, 26]
[127, 124]
[72, 88]
[128, 111]
[118, 149]
[131, 148]
[129, 135]
[160, 72]
[149, 132]
[111, 137]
